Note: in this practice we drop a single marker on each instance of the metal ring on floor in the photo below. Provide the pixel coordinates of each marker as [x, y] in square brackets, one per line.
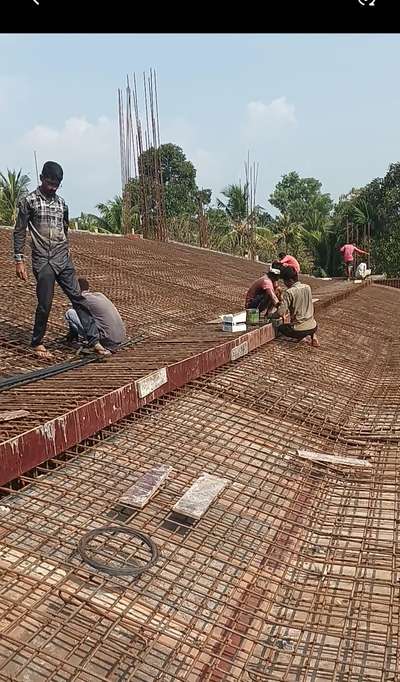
[114, 530]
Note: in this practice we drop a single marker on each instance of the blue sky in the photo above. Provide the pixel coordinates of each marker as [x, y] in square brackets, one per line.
[324, 105]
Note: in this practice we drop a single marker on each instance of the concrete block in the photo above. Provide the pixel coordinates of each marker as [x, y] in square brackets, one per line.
[139, 494]
[197, 499]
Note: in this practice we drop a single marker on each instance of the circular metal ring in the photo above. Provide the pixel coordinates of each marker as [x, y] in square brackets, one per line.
[114, 530]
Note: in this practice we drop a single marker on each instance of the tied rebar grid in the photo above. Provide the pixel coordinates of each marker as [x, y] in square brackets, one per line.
[293, 572]
[164, 292]
[392, 282]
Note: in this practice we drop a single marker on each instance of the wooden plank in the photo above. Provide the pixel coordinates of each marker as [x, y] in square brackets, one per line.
[13, 414]
[139, 494]
[197, 499]
[333, 459]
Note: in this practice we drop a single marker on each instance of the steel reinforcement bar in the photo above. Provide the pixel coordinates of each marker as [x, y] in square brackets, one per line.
[35, 446]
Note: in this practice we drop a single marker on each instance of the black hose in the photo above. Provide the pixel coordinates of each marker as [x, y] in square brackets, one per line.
[129, 569]
[44, 373]
[51, 371]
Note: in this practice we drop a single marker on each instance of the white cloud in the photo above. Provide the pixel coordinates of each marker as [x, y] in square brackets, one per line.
[89, 154]
[269, 120]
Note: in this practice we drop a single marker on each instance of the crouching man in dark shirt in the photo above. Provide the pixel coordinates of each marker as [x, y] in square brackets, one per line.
[45, 215]
[108, 320]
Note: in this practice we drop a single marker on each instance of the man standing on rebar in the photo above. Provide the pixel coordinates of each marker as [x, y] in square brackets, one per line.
[264, 294]
[348, 251]
[297, 302]
[45, 215]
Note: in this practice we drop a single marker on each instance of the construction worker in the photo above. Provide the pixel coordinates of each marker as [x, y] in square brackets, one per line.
[45, 215]
[297, 302]
[108, 320]
[348, 251]
[289, 261]
[264, 294]
[362, 271]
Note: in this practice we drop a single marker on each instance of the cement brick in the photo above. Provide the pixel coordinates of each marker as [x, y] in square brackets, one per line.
[139, 494]
[197, 499]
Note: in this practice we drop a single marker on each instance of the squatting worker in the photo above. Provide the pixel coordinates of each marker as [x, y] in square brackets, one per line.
[264, 294]
[45, 215]
[108, 320]
[297, 301]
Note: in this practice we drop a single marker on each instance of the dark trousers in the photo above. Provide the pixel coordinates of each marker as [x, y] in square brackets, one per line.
[67, 280]
[288, 330]
[349, 266]
[261, 302]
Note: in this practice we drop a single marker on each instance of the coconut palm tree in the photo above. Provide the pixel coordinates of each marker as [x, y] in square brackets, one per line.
[89, 223]
[237, 202]
[111, 215]
[13, 188]
[288, 232]
[244, 232]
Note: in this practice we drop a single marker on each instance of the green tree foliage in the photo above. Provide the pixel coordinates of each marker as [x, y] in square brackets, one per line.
[377, 203]
[386, 252]
[178, 177]
[109, 221]
[303, 227]
[13, 188]
[248, 231]
[88, 222]
[297, 197]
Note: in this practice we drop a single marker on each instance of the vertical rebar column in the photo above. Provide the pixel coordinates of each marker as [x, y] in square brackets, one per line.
[203, 223]
[141, 159]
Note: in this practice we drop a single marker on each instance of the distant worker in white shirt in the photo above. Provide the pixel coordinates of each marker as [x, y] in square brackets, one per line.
[362, 271]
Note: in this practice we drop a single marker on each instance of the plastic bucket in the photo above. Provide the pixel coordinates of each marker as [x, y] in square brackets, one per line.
[252, 316]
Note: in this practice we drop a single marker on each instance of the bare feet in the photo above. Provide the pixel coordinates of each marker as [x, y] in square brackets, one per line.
[100, 350]
[42, 352]
[315, 342]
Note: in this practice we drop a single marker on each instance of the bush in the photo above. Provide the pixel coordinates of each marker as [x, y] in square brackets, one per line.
[386, 253]
[319, 272]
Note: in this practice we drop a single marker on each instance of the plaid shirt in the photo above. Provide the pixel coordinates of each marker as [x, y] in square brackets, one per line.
[47, 222]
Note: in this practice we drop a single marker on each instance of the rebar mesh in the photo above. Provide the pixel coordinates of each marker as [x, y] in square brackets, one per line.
[164, 292]
[293, 572]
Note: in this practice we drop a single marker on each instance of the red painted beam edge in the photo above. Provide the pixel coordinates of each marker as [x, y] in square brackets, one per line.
[31, 448]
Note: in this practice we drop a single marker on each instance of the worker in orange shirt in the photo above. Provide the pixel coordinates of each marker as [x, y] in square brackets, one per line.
[289, 262]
